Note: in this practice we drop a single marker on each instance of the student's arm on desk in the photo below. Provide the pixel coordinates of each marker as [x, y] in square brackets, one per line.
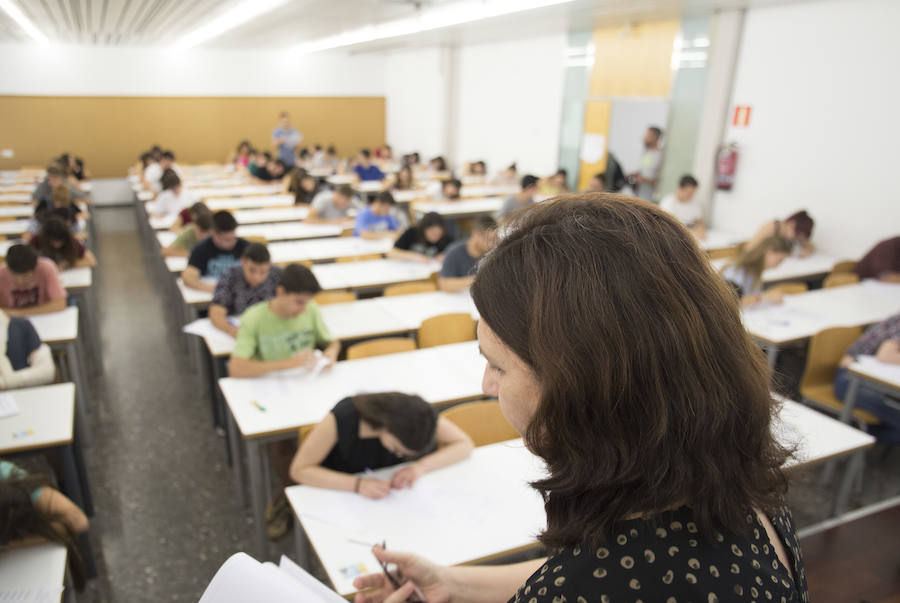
[453, 445]
[218, 316]
[191, 278]
[403, 254]
[247, 368]
[53, 503]
[889, 352]
[461, 584]
[55, 305]
[455, 284]
[332, 351]
[87, 261]
[306, 467]
[174, 252]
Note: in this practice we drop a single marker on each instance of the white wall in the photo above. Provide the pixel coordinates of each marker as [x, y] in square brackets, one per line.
[105, 71]
[415, 85]
[509, 99]
[821, 80]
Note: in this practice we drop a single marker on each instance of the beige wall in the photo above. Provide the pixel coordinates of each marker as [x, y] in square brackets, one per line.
[110, 132]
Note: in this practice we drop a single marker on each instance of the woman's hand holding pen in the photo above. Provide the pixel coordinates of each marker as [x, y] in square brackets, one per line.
[374, 488]
[406, 477]
[431, 579]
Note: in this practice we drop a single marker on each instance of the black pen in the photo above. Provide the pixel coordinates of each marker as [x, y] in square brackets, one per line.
[397, 581]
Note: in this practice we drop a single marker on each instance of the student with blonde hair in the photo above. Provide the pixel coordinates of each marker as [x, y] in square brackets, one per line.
[745, 272]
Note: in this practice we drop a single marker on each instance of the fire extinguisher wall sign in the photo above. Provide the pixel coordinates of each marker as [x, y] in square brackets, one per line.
[726, 166]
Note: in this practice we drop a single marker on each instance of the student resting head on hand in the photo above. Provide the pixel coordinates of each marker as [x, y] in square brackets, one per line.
[373, 431]
[620, 356]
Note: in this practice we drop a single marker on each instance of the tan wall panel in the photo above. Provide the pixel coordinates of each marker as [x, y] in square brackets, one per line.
[596, 121]
[110, 132]
[634, 64]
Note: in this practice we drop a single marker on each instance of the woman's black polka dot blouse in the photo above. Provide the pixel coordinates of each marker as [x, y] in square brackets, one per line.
[665, 560]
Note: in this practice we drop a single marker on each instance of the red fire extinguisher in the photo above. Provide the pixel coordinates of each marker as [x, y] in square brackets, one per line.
[726, 166]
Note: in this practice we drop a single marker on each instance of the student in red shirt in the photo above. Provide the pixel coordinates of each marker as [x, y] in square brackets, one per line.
[29, 284]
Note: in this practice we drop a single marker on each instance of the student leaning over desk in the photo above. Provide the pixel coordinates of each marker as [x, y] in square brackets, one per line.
[373, 431]
[599, 315]
[216, 254]
[29, 284]
[253, 281]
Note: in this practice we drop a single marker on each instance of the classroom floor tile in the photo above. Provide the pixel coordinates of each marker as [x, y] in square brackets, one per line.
[167, 514]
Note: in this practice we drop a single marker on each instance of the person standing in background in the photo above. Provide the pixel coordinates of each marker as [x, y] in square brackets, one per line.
[644, 181]
[285, 137]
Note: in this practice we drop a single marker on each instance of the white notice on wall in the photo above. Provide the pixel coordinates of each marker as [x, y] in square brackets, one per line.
[593, 147]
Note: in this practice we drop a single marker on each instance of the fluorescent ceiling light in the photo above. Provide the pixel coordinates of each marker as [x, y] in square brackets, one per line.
[457, 13]
[240, 14]
[24, 22]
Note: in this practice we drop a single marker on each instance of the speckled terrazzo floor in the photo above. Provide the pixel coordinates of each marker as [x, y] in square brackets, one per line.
[167, 516]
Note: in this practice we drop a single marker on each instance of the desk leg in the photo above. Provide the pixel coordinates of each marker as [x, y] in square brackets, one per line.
[234, 440]
[854, 466]
[78, 455]
[88, 310]
[218, 371]
[74, 374]
[257, 495]
[69, 479]
[301, 543]
[850, 399]
[772, 355]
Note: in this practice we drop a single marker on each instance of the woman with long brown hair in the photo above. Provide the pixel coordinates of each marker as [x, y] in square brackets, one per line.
[745, 273]
[619, 355]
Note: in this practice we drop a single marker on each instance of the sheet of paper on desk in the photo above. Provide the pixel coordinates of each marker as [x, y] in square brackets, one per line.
[243, 578]
[34, 594]
[882, 370]
[8, 408]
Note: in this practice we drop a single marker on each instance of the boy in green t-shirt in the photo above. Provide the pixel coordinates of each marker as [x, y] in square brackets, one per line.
[284, 332]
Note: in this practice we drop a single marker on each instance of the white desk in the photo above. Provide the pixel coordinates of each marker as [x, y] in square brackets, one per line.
[450, 516]
[76, 278]
[802, 316]
[371, 186]
[440, 375]
[12, 189]
[16, 202]
[868, 372]
[359, 319]
[488, 190]
[716, 239]
[264, 216]
[176, 264]
[371, 274]
[215, 181]
[249, 202]
[327, 249]
[409, 195]
[145, 195]
[338, 179]
[14, 227]
[237, 191]
[14, 211]
[40, 566]
[461, 209]
[793, 268]
[165, 237]
[46, 420]
[461, 514]
[290, 231]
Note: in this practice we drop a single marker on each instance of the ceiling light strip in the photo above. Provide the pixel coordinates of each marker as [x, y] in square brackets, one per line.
[16, 14]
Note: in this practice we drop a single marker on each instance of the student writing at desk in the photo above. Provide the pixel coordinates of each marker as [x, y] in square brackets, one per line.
[664, 479]
[199, 229]
[55, 177]
[682, 205]
[29, 284]
[522, 199]
[376, 220]
[242, 286]
[283, 333]
[462, 257]
[173, 197]
[214, 255]
[883, 342]
[881, 262]
[56, 242]
[31, 509]
[334, 207]
[27, 361]
[365, 170]
[424, 242]
[797, 228]
[448, 190]
[372, 431]
[745, 273]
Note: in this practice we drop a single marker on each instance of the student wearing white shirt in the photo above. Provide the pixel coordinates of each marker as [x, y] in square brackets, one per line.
[154, 172]
[681, 204]
[173, 197]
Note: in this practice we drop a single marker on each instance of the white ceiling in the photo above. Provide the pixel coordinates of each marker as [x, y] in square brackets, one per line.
[159, 22]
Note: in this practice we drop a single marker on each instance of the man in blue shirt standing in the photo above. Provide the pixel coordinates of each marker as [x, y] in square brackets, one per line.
[376, 221]
[285, 137]
[365, 169]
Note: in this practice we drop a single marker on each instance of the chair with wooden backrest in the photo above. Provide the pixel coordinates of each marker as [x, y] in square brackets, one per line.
[410, 288]
[844, 266]
[840, 279]
[380, 347]
[482, 421]
[826, 348]
[446, 329]
[323, 298]
[359, 258]
[257, 239]
[723, 253]
[790, 288]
